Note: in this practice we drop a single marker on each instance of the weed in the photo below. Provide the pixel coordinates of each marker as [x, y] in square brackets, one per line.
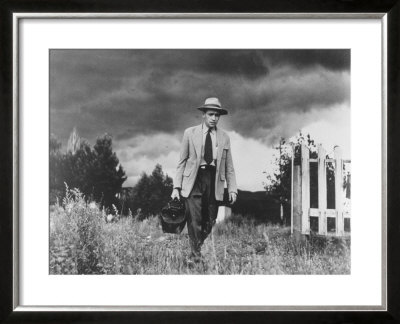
[81, 242]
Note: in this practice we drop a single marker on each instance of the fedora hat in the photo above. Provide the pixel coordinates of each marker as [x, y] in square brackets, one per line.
[213, 104]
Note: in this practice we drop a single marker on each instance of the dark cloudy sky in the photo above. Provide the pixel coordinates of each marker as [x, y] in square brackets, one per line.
[146, 98]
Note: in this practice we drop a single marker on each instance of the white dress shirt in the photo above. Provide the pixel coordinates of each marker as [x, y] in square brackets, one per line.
[213, 134]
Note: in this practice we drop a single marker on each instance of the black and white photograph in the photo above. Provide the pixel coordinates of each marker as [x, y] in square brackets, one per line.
[200, 161]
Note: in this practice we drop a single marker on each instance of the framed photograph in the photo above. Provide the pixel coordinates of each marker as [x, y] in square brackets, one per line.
[201, 163]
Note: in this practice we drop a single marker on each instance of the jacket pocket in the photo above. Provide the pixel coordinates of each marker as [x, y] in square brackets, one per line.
[224, 152]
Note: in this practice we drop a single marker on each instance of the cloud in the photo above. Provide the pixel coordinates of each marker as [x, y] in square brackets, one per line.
[332, 129]
[148, 146]
[146, 98]
[251, 158]
[261, 109]
[141, 154]
[157, 102]
[331, 59]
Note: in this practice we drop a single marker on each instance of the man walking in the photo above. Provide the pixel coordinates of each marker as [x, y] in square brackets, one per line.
[204, 166]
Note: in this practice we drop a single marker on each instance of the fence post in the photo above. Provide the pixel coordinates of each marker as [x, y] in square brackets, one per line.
[305, 189]
[322, 191]
[297, 209]
[338, 191]
[292, 188]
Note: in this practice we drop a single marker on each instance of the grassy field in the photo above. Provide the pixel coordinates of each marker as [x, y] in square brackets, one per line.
[81, 242]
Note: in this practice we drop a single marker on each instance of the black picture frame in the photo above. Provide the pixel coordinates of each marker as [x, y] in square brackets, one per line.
[8, 191]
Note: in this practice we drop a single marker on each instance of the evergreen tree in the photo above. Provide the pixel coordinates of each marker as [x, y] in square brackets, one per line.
[78, 168]
[96, 172]
[106, 174]
[151, 193]
[140, 199]
[55, 169]
[161, 188]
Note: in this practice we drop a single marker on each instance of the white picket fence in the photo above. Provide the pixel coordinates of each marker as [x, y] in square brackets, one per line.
[301, 210]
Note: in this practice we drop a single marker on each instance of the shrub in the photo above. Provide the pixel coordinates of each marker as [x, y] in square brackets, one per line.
[76, 242]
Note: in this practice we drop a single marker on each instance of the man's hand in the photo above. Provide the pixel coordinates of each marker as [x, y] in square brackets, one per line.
[232, 197]
[175, 194]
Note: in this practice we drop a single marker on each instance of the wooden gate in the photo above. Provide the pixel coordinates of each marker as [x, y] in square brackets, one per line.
[302, 213]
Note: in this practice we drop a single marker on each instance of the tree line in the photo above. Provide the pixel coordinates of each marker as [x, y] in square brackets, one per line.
[98, 174]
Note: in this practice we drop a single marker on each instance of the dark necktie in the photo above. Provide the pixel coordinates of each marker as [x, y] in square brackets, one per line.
[208, 153]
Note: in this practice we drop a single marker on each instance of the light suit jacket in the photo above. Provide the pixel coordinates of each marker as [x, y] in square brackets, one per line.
[190, 157]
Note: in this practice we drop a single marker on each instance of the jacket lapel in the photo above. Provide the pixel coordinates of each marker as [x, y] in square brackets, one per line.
[198, 140]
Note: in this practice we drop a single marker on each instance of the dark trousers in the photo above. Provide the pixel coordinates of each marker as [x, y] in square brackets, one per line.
[201, 208]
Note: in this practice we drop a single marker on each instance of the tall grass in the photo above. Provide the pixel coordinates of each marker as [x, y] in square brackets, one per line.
[81, 242]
